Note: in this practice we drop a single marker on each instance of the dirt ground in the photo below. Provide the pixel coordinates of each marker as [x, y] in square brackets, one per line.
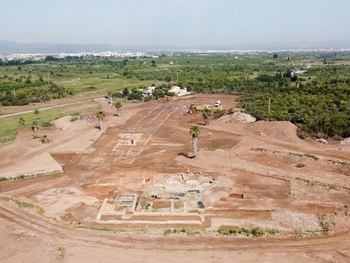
[108, 196]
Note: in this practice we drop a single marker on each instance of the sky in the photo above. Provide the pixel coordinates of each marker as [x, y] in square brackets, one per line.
[174, 22]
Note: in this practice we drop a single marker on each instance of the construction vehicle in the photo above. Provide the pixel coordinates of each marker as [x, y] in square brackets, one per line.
[200, 108]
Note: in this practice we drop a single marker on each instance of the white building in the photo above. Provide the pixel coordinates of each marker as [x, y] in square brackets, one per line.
[178, 91]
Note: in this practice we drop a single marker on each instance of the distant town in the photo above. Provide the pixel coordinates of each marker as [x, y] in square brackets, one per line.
[42, 56]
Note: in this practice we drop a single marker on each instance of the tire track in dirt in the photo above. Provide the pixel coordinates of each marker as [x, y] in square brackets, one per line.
[51, 229]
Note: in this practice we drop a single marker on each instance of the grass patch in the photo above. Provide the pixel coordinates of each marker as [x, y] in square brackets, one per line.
[311, 156]
[338, 162]
[9, 127]
[104, 229]
[63, 252]
[23, 204]
[255, 232]
[167, 232]
[305, 181]
[259, 149]
[209, 148]
[315, 183]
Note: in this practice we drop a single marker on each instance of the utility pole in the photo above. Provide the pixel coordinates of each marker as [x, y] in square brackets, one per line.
[268, 111]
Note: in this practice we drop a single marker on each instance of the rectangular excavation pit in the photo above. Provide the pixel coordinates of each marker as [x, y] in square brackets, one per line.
[125, 202]
[174, 196]
[161, 206]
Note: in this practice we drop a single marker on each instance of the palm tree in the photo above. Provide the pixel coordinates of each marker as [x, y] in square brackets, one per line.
[100, 115]
[110, 93]
[206, 113]
[35, 125]
[194, 131]
[44, 139]
[118, 105]
[21, 121]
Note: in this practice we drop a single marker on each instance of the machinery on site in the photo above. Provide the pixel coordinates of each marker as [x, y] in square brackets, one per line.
[200, 107]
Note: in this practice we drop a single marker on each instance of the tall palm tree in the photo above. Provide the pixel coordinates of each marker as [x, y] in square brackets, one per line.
[35, 125]
[110, 93]
[118, 105]
[21, 121]
[206, 113]
[100, 115]
[194, 131]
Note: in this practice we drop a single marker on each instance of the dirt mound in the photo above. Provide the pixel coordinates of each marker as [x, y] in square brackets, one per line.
[281, 130]
[74, 122]
[345, 141]
[238, 117]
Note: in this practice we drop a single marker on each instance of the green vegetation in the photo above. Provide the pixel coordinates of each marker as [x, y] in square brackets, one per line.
[210, 148]
[338, 162]
[311, 156]
[259, 149]
[255, 232]
[310, 89]
[9, 127]
[23, 204]
[62, 251]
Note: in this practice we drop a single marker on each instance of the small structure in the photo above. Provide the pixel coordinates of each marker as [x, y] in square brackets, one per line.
[178, 91]
[148, 91]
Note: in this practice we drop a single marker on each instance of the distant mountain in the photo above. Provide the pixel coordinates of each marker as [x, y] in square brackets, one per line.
[11, 47]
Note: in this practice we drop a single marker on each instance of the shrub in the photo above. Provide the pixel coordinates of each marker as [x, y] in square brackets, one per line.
[167, 232]
[47, 124]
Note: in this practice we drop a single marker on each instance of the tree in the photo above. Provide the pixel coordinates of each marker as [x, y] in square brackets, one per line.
[21, 121]
[275, 55]
[100, 115]
[231, 111]
[168, 79]
[110, 95]
[206, 113]
[44, 139]
[118, 105]
[35, 125]
[158, 93]
[126, 92]
[194, 131]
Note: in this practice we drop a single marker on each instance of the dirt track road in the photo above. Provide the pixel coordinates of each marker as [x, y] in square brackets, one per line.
[45, 108]
[107, 247]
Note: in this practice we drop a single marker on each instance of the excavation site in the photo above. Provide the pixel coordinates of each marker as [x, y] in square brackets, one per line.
[135, 191]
